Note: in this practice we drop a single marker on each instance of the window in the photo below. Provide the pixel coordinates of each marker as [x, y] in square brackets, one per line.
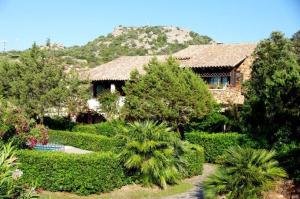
[217, 82]
[100, 88]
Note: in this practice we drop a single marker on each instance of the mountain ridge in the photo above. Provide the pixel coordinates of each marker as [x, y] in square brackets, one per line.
[125, 41]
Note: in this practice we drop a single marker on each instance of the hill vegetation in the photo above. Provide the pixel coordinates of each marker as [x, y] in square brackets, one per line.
[145, 40]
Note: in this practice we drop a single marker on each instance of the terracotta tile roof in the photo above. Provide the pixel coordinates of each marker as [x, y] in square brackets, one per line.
[213, 55]
[120, 68]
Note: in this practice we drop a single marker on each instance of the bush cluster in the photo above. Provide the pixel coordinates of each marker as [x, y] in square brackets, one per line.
[289, 159]
[82, 174]
[215, 144]
[104, 128]
[16, 126]
[59, 123]
[194, 156]
[86, 141]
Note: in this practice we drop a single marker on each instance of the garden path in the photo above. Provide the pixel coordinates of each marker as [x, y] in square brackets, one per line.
[71, 149]
[196, 192]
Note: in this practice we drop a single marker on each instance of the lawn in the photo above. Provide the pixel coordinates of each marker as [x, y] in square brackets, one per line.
[126, 192]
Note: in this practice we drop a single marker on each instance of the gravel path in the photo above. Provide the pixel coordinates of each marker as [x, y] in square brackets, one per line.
[196, 192]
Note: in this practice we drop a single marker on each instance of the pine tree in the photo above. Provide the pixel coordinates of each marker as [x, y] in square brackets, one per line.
[272, 97]
[167, 93]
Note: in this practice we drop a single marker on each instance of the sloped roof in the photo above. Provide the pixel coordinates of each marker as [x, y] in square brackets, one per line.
[213, 55]
[120, 68]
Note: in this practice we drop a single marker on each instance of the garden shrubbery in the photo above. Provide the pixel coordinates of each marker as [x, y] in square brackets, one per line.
[86, 141]
[17, 127]
[104, 128]
[194, 156]
[59, 123]
[82, 174]
[85, 128]
[244, 173]
[215, 144]
[289, 159]
[153, 152]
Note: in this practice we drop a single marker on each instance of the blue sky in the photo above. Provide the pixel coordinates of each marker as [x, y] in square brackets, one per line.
[75, 22]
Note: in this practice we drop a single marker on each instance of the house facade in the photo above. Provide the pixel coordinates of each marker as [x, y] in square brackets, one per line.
[223, 66]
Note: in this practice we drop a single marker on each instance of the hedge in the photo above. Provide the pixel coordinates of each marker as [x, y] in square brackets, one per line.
[59, 123]
[85, 128]
[214, 144]
[82, 174]
[86, 141]
[194, 156]
[104, 128]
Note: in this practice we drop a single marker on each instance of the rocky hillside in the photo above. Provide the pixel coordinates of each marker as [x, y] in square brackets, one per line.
[146, 40]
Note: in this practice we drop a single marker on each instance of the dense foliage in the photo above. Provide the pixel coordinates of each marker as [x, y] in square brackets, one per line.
[82, 174]
[296, 45]
[7, 167]
[244, 173]
[273, 92]
[109, 104]
[154, 152]
[173, 95]
[289, 158]
[59, 123]
[38, 84]
[194, 157]
[215, 144]
[16, 127]
[86, 141]
[213, 122]
[10, 175]
[133, 41]
[110, 128]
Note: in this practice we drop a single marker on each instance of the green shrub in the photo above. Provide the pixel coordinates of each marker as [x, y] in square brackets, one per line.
[104, 128]
[7, 167]
[213, 122]
[244, 173]
[83, 174]
[154, 152]
[194, 156]
[289, 158]
[215, 144]
[86, 141]
[59, 123]
[85, 128]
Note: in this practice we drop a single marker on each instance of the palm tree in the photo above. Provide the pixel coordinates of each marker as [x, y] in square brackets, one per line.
[154, 152]
[244, 173]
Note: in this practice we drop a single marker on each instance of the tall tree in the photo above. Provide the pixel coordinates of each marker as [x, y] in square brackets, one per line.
[38, 76]
[167, 93]
[273, 93]
[296, 44]
[77, 93]
[39, 84]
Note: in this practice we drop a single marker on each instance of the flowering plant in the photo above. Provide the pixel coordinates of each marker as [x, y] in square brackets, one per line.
[10, 175]
[14, 125]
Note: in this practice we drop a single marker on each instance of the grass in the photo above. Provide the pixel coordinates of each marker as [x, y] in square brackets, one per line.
[126, 192]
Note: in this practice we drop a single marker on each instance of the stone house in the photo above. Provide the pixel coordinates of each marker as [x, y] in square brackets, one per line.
[223, 66]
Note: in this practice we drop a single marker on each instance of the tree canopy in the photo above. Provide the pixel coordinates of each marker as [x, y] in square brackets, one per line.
[272, 97]
[167, 93]
[296, 44]
[38, 83]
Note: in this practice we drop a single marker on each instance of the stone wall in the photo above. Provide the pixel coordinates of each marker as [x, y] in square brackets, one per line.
[228, 95]
[233, 95]
[245, 68]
